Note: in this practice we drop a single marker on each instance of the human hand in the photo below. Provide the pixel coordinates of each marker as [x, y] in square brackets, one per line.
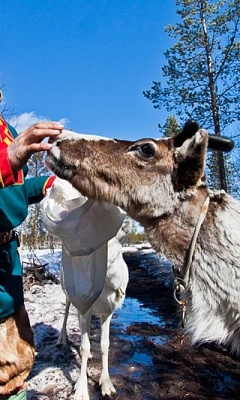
[30, 141]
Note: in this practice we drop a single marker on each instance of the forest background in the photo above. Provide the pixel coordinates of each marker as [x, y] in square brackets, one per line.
[200, 79]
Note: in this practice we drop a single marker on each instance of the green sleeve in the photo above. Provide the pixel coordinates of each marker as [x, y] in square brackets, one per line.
[36, 188]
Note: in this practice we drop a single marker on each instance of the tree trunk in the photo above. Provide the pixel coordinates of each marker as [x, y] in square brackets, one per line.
[35, 226]
[214, 106]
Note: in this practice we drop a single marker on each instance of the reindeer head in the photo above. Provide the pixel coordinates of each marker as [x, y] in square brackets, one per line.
[147, 178]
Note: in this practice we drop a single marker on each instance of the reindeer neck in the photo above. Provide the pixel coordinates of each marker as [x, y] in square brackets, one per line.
[171, 235]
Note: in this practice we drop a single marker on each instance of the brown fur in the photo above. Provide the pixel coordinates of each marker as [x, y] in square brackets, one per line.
[163, 187]
[116, 171]
[17, 351]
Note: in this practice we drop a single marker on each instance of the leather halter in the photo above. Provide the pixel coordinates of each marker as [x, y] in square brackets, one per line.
[182, 283]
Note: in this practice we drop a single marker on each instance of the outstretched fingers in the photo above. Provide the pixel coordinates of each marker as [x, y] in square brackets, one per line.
[30, 141]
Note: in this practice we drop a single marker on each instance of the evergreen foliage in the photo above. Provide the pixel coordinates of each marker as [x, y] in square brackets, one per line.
[170, 128]
[201, 79]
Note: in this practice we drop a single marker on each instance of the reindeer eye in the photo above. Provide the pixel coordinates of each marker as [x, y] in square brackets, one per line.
[147, 150]
[143, 150]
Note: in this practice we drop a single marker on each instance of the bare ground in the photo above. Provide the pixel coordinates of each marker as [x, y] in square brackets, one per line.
[140, 367]
[183, 371]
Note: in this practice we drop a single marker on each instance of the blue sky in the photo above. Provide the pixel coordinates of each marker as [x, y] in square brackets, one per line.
[85, 62]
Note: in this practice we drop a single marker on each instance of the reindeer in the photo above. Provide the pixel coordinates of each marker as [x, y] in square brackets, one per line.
[161, 184]
[94, 275]
[17, 357]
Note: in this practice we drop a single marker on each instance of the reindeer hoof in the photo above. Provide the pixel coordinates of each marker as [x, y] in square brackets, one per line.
[107, 388]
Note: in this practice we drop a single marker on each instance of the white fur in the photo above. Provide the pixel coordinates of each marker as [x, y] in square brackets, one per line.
[214, 313]
[95, 284]
[70, 135]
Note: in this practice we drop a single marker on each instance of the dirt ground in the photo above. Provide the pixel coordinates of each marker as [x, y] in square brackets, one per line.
[181, 371]
[141, 367]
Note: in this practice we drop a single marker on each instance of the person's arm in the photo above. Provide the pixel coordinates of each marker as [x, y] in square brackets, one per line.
[7, 176]
[15, 150]
[31, 141]
[36, 187]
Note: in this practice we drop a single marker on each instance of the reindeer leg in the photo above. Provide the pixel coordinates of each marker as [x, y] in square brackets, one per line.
[62, 338]
[105, 381]
[81, 386]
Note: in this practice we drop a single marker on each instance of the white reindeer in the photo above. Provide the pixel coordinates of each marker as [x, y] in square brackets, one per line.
[161, 184]
[94, 283]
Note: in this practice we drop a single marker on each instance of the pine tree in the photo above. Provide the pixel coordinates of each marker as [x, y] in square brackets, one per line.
[170, 128]
[202, 74]
[234, 166]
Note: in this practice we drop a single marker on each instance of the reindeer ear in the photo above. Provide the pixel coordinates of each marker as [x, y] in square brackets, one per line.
[220, 143]
[190, 160]
[189, 129]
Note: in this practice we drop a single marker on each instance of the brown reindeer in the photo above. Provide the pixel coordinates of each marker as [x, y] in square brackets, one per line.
[161, 184]
[16, 361]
